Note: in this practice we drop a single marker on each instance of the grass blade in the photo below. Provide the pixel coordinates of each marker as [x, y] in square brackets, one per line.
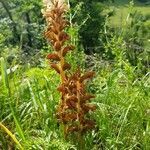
[11, 135]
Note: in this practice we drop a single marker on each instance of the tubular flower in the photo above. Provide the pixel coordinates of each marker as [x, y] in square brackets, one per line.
[75, 104]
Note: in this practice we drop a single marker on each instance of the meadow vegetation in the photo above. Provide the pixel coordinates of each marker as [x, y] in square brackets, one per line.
[119, 54]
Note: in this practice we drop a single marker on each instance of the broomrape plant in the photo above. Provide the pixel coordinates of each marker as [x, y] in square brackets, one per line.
[73, 108]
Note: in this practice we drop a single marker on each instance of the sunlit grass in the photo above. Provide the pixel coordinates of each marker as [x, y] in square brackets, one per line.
[122, 114]
[121, 9]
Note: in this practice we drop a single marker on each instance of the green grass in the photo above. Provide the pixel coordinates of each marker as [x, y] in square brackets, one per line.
[122, 115]
[28, 102]
[121, 8]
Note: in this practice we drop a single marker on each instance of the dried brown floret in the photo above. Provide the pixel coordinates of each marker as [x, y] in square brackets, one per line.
[87, 75]
[56, 67]
[87, 97]
[57, 46]
[66, 66]
[67, 49]
[53, 57]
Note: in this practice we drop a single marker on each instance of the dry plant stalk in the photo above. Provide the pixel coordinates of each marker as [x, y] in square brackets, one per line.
[75, 101]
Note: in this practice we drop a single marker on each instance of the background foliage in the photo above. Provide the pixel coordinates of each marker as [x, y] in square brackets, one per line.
[111, 38]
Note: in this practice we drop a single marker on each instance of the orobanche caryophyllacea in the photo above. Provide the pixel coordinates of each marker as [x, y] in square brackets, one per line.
[73, 108]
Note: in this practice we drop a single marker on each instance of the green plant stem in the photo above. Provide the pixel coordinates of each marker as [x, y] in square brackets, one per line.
[11, 135]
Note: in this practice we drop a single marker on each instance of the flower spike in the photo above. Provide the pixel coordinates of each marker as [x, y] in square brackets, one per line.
[75, 104]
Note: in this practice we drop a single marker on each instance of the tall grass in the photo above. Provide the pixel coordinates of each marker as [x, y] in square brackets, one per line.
[122, 116]
[11, 135]
[9, 101]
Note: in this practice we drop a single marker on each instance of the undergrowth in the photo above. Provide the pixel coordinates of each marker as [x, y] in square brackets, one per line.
[122, 115]
[29, 99]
